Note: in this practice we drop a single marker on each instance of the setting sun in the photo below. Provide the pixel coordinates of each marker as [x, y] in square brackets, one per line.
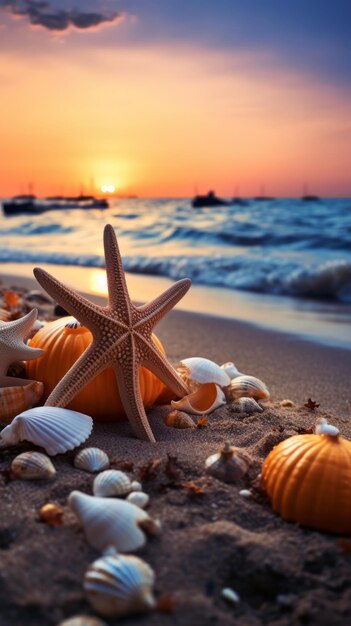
[108, 188]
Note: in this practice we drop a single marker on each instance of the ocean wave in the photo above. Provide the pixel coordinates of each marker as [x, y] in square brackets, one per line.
[330, 280]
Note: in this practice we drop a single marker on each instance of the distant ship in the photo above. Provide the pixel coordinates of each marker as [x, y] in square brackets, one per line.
[262, 196]
[310, 198]
[208, 200]
[30, 205]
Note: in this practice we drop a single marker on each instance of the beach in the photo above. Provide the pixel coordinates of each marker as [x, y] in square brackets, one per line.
[212, 537]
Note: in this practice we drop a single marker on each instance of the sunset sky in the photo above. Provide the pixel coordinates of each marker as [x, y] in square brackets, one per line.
[162, 97]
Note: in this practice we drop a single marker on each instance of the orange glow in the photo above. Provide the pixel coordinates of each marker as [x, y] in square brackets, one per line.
[164, 121]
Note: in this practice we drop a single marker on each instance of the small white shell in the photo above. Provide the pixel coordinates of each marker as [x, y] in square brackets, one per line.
[32, 465]
[112, 483]
[112, 522]
[139, 498]
[247, 405]
[231, 370]
[83, 620]
[136, 486]
[230, 595]
[91, 460]
[245, 493]
[205, 399]
[323, 428]
[248, 386]
[203, 371]
[116, 585]
[52, 428]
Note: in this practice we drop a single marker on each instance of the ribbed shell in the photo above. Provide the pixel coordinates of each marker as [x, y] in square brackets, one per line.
[308, 480]
[64, 342]
[110, 522]
[91, 460]
[204, 371]
[112, 483]
[31, 466]
[117, 585]
[54, 429]
[18, 398]
[248, 386]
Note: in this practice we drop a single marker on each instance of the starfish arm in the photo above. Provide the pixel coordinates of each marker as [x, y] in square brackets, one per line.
[84, 311]
[129, 391]
[118, 295]
[22, 352]
[81, 373]
[155, 310]
[22, 326]
[157, 363]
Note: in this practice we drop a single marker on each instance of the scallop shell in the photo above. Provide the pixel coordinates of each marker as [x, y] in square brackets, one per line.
[204, 400]
[31, 466]
[231, 370]
[116, 585]
[139, 498]
[247, 405]
[179, 419]
[200, 370]
[18, 398]
[83, 620]
[91, 460]
[52, 428]
[112, 522]
[248, 386]
[112, 483]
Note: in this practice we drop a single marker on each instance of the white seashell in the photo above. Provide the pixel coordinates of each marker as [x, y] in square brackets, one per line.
[136, 486]
[203, 371]
[116, 585]
[230, 595]
[91, 460]
[112, 522]
[139, 498]
[112, 483]
[231, 370]
[83, 620]
[248, 386]
[32, 465]
[323, 428]
[245, 493]
[52, 428]
[205, 399]
[247, 405]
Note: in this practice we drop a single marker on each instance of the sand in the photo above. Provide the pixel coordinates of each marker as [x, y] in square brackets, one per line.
[284, 574]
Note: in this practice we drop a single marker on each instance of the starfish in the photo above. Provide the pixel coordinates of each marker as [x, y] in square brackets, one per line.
[122, 338]
[12, 346]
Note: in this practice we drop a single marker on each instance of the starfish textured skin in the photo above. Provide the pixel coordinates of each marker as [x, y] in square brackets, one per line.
[12, 346]
[122, 338]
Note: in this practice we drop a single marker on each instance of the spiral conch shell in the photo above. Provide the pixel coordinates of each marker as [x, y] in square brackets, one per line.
[116, 585]
[199, 371]
[205, 399]
[32, 466]
[112, 483]
[249, 387]
[91, 460]
[54, 429]
[247, 405]
[112, 522]
[19, 397]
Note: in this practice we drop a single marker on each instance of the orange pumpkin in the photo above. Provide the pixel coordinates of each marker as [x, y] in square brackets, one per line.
[64, 341]
[308, 480]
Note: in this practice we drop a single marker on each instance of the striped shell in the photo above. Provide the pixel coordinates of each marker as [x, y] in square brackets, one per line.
[54, 429]
[112, 483]
[91, 460]
[31, 466]
[247, 405]
[112, 522]
[179, 419]
[116, 585]
[19, 397]
[249, 387]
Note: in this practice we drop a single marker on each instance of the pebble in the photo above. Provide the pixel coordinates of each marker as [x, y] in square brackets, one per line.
[230, 595]
[245, 493]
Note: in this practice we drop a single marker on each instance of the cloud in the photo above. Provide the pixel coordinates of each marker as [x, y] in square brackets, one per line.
[56, 15]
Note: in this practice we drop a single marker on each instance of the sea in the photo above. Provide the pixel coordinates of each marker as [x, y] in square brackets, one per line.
[282, 263]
